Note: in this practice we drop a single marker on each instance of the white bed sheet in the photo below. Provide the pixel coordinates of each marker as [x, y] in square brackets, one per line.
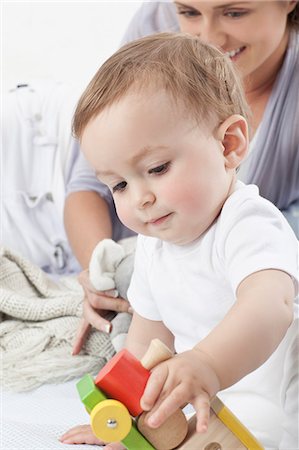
[36, 419]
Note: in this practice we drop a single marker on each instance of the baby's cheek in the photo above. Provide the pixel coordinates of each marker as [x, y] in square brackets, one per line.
[126, 216]
[181, 197]
[123, 213]
[191, 204]
[172, 193]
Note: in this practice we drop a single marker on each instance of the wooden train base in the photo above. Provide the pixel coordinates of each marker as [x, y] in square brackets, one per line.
[113, 402]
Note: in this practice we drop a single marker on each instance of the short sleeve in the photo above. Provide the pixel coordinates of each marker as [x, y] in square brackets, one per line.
[139, 292]
[83, 178]
[258, 238]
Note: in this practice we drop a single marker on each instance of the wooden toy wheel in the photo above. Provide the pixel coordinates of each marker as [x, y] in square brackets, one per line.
[110, 421]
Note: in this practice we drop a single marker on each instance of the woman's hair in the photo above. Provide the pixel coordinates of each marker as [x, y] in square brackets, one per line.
[195, 75]
[293, 17]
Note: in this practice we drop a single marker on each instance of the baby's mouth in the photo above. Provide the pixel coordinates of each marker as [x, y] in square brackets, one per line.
[159, 220]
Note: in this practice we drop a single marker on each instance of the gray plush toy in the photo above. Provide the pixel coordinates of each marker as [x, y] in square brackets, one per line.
[111, 267]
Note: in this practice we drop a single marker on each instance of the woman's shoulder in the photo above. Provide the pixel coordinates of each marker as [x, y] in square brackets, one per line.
[150, 18]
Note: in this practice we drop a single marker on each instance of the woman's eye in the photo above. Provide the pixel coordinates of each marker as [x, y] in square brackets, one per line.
[235, 14]
[160, 169]
[119, 187]
[188, 13]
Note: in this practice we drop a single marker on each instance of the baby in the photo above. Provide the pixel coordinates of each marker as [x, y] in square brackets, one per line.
[163, 123]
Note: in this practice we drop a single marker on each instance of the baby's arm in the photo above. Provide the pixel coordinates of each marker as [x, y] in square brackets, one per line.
[254, 326]
[244, 339]
[142, 331]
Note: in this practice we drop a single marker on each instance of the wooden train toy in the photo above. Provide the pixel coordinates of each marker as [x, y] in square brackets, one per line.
[113, 402]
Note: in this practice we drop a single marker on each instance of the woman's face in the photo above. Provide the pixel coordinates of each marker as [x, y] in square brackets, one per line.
[253, 33]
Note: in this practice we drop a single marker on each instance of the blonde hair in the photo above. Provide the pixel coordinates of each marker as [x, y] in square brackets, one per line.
[194, 74]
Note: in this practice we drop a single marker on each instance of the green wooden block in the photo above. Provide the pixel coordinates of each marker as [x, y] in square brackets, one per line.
[90, 395]
[136, 441]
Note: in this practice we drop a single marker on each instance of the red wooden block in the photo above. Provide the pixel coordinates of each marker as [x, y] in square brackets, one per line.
[124, 379]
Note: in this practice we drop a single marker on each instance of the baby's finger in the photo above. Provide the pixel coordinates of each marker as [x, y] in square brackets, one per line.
[115, 446]
[172, 402]
[153, 387]
[82, 333]
[202, 407]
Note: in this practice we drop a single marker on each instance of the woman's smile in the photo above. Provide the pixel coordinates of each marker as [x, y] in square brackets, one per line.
[234, 54]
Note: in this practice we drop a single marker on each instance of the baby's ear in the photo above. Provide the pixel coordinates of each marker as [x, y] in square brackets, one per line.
[233, 133]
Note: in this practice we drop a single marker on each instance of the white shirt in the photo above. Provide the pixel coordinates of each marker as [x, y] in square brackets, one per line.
[192, 287]
[198, 282]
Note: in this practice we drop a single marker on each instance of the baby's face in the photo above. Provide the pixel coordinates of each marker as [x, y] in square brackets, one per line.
[168, 176]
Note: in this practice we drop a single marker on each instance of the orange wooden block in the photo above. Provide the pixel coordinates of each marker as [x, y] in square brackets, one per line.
[124, 379]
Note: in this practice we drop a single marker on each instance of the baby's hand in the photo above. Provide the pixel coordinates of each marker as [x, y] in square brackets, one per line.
[82, 434]
[186, 378]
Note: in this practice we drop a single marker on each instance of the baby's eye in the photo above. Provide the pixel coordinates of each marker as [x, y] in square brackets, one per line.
[160, 169]
[119, 187]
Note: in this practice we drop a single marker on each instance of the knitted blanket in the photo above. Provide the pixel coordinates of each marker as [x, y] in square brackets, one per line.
[38, 323]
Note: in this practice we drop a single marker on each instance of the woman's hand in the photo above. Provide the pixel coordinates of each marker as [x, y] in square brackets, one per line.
[186, 378]
[82, 434]
[95, 305]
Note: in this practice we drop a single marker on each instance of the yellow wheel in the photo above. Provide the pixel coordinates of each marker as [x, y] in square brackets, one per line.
[110, 421]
